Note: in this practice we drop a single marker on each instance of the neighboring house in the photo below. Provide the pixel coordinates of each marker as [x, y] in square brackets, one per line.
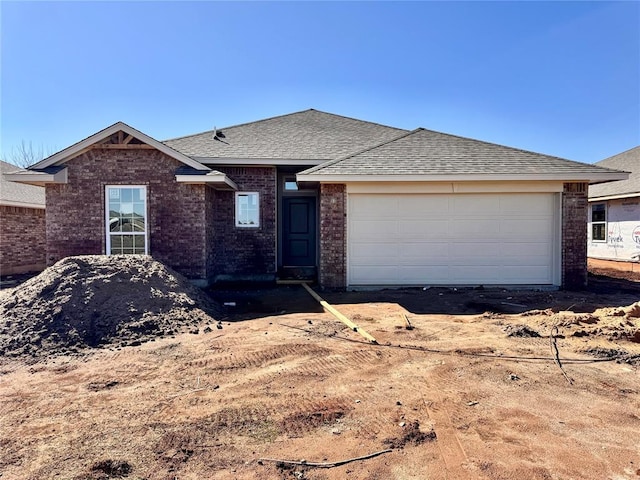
[316, 195]
[22, 225]
[614, 211]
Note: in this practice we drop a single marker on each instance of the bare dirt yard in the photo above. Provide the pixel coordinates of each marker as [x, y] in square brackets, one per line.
[195, 389]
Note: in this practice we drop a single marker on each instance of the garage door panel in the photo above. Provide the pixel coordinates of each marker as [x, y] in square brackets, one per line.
[525, 250]
[367, 275]
[422, 275]
[533, 228]
[423, 255]
[513, 274]
[451, 239]
[365, 230]
[376, 254]
[415, 206]
[374, 207]
[475, 228]
[527, 205]
[424, 228]
[470, 205]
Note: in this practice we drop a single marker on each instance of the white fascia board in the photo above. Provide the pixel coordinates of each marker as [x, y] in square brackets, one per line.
[258, 161]
[218, 179]
[37, 178]
[12, 203]
[614, 197]
[581, 177]
[82, 146]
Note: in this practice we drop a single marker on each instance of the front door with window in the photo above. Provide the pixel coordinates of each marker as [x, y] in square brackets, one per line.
[298, 231]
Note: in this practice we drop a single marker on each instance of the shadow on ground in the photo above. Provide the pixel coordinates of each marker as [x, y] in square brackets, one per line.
[245, 302]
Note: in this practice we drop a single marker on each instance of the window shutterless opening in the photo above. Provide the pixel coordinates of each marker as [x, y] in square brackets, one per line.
[599, 222]
[247, 209]
[126, 220]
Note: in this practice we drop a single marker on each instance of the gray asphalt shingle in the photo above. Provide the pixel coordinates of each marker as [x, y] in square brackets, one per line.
[425, 152]
[628, 161]
[306, 135]
[18, 192]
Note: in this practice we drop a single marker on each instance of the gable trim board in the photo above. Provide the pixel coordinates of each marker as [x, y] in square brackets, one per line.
[82, 146]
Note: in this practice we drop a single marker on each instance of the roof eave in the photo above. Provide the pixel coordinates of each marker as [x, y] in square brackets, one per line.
[218, 180]
[573, 177]
[84, 145]
[614, 197]
[40, 179]
[13, 203]
[259, 161]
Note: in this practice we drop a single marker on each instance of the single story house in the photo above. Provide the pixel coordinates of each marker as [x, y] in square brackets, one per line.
[22, 225]
[614, 212]
[321, 196]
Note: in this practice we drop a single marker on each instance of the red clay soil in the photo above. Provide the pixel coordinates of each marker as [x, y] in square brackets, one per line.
[473, 391]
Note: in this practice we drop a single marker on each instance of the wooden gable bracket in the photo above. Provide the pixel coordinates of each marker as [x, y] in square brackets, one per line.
[118, 141]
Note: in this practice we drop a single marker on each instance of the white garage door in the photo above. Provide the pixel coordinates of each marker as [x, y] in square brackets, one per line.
[454, 239]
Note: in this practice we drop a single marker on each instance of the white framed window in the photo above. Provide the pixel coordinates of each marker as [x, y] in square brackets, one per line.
[247, 209]
[126, 219]
[599, 222]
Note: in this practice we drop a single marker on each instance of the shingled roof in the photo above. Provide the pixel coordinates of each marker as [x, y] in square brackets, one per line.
[628, 161]
[306, 135]
[16, 194]
[425, 153]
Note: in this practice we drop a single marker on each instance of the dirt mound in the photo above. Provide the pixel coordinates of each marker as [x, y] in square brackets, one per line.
[89, 301]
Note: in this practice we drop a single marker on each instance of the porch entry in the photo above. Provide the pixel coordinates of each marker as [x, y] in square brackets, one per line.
[299, 232]
[298, 229]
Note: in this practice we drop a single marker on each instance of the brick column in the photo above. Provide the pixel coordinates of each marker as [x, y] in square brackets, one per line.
[574, 236]
[333, 236]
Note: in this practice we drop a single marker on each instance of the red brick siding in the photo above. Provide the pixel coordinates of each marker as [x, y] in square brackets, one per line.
[574, 235]
[333, 236]
[22, 240]
[176, 212]
[245, 251]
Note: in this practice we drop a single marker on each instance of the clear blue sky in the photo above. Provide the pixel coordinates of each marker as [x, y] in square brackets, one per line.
[561, 78]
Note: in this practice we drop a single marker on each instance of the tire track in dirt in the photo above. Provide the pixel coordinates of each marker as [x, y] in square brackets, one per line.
[240, 359]
[449, 444]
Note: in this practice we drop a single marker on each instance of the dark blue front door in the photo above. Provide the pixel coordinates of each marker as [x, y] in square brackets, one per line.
[299, 231]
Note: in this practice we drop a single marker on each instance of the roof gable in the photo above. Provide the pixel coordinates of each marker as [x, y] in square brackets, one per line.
[118, 135]
[434, 155]
[628, 161]
[18, 195]
[306, 135]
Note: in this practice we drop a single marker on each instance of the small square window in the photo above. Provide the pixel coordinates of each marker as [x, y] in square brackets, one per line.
[247, 209]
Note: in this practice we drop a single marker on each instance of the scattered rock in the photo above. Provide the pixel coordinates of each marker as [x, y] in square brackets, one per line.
[106, 469]
[411, 435]
[520, 331]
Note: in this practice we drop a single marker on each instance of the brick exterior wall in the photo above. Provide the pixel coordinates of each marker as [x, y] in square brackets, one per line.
[574, 236]
[22, 240]
[333, 236]
[245, 252]
[176, 212]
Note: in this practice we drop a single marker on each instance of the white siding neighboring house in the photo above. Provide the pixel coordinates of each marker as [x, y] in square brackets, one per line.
[614, 212]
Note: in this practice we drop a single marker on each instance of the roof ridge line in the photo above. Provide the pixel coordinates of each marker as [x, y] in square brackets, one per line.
[236, 125]
[509, 147]
[338, 160]
[618, 154]
[282, 116]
